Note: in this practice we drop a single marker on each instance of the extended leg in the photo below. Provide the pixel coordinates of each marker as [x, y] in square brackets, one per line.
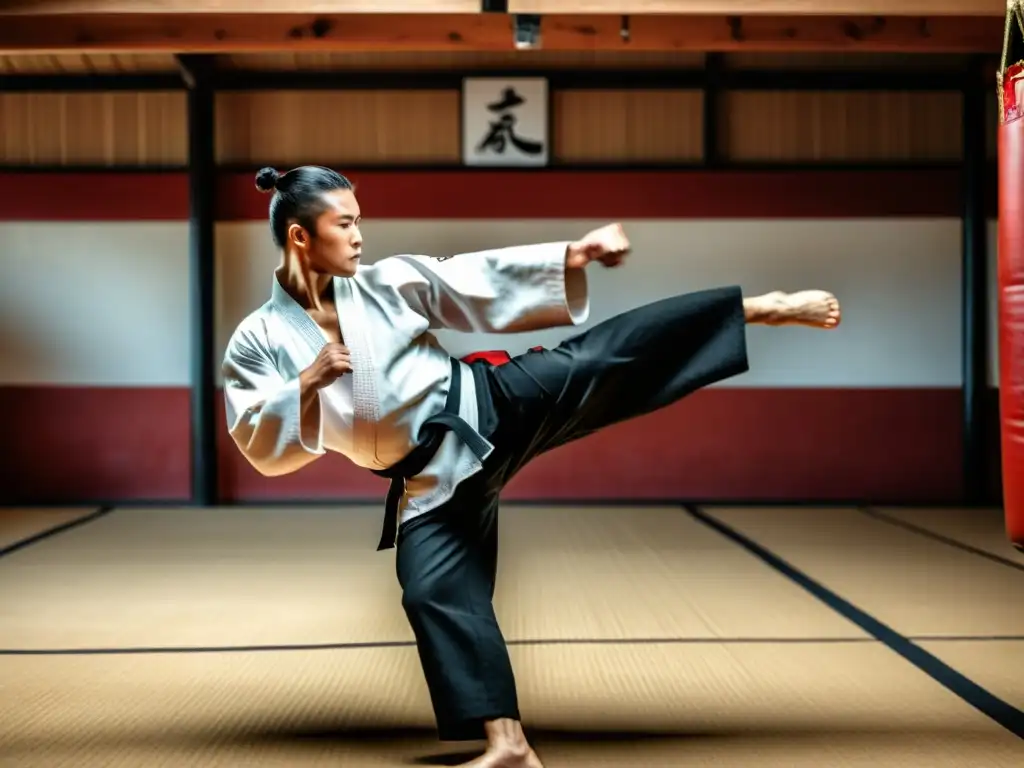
[447, 562]
[632, 364]
[640, 361]
[818, 309]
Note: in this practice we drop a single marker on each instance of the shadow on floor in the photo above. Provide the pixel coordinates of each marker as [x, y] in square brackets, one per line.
[418, 746]
[422, 748]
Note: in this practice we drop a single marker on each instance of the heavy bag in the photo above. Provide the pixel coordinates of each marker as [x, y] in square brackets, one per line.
[1011, 270]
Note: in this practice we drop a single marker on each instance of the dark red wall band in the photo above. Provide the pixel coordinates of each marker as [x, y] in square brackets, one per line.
[98, 196]
[884, 445]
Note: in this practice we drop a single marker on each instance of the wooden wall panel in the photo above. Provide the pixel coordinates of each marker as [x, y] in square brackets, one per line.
[93, 128]
[86, 63]
[640, 126]
[471, 61]
[423, 127]
[340, 127]
[866, 126]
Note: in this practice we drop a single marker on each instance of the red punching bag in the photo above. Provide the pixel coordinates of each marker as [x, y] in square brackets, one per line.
[1011, 271]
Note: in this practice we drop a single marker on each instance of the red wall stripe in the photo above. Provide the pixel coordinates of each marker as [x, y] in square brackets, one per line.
[886, 445]
[470, 194]
[76, 444]
[93, 196]
[896, 445]
[630, 194]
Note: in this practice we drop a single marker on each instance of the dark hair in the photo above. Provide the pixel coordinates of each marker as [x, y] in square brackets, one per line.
[298, 196]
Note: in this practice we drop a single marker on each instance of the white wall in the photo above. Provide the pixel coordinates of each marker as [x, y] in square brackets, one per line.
[898, 280]
[94, 303]
[123, 297]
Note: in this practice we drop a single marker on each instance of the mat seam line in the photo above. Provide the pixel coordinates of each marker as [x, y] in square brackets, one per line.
[954, 681]
[383, 644]
[925, 533]
[49, 533]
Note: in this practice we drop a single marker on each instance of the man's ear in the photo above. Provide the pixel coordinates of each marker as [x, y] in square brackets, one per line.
[298, 236]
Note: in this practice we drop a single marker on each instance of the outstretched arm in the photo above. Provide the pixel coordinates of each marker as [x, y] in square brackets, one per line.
[503, 290]
[276, 424]
[506, 290]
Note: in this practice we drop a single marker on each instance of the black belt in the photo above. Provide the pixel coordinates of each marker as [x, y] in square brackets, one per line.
[431, 434]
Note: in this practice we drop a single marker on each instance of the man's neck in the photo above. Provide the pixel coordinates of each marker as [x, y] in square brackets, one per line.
[310, 289]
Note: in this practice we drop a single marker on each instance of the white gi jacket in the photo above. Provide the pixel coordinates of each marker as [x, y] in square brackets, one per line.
[400, 373]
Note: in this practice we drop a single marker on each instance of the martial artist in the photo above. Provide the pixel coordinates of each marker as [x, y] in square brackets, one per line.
[341, 358]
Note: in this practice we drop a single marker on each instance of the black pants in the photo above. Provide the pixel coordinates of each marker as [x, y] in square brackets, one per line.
[630, 365]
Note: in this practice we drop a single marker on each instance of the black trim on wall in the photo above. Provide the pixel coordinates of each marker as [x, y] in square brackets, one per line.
[840, 80]
[694, 166]
[559, 79]
[714, 75]
[712, 115]
[155, 81]
[112, 168]
[589, 79]
[974, 287]
[202, 185]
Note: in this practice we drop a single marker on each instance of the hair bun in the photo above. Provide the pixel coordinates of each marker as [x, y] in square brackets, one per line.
[266, 179]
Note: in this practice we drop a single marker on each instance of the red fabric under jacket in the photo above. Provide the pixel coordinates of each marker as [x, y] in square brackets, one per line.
[493, 356]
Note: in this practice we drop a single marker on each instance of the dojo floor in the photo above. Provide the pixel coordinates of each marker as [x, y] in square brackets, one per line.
[640, 637]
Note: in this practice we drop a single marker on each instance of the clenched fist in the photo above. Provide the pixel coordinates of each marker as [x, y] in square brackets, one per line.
[332, 362]
[609, 245]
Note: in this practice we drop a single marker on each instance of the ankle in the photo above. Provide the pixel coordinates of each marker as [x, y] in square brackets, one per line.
[763, 308]
[507, 735]
[756, 310]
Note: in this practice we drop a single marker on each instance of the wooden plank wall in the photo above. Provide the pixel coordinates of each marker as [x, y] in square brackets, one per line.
[402, 128]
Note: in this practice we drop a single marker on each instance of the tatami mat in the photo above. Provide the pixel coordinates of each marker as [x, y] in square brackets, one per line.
[142, 577]
[641, 637]
[642, 573]
[982, 529]
[176, 577]
[19, 524]
[997, 665]
[655, 705]
[916, 585]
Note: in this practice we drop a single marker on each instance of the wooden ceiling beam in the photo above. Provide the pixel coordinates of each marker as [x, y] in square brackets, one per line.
[765, 7]
[238, 33]
[689, 7]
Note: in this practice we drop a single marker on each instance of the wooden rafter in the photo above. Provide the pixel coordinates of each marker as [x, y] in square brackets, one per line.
[765, 7]
[691, 7]
[240, 33]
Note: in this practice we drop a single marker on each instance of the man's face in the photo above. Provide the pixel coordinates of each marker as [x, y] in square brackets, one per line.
[338, 244]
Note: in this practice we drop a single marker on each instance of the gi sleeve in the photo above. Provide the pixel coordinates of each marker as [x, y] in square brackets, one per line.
[503, 290]
[264, 412]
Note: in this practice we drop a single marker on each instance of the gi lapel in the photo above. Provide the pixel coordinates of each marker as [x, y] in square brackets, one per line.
[366, 410]
[355, 330]
[298, 319]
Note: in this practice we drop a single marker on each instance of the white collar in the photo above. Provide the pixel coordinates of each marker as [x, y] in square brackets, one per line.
[286, 304]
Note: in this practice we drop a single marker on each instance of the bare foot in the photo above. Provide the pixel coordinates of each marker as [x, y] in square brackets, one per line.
[506, 757]
[818, 309]
[507, 747]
